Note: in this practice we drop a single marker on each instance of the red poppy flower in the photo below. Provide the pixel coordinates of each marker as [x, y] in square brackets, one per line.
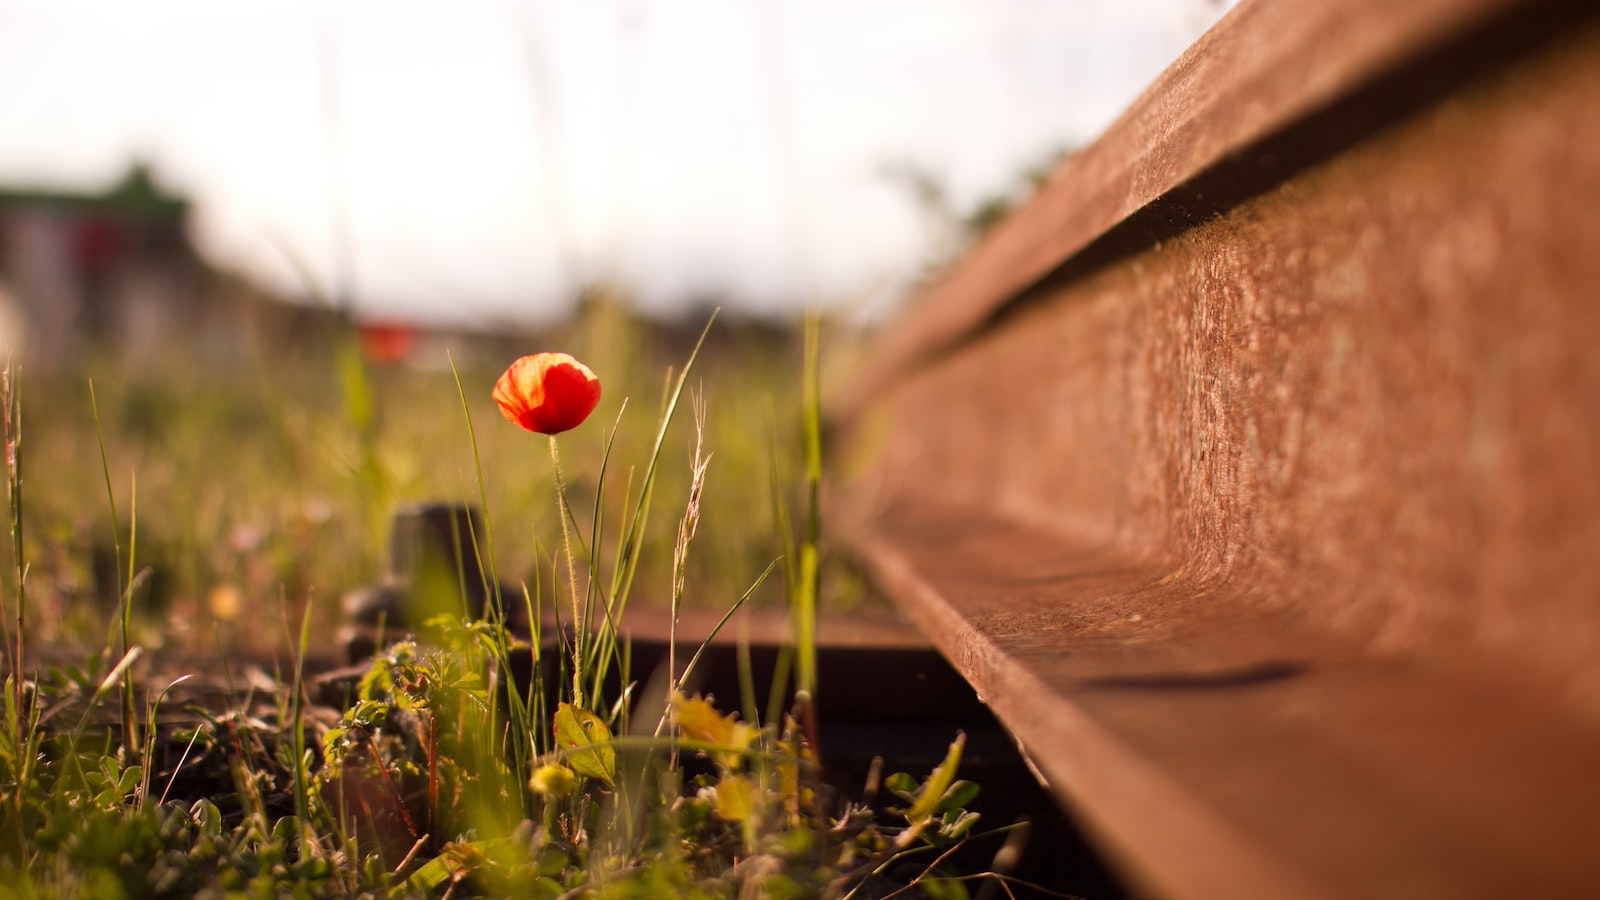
[547, 392]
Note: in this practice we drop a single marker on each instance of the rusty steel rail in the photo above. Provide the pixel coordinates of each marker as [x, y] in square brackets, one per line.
[1249, 473]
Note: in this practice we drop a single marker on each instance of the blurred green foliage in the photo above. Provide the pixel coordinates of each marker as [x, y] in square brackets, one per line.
[269, 477]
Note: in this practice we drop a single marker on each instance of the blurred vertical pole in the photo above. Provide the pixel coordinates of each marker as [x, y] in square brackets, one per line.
[342, 279]
[632, 26]
[553, 158]
[772, 39]
[359, 396]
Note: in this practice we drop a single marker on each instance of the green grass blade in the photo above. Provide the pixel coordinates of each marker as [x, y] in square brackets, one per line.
[111, 500]
[623, 579]
[605, 647]
[130, 725]
[805, 598]
[302, 778]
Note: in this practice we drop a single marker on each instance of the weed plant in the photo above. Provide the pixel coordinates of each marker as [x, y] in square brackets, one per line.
[445, 774]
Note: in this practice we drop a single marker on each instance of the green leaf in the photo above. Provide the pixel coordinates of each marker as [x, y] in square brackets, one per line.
[428, 876]
[130, 780]
[902, 785]
[552, 861]
[958, 796]
[207, 816]
[587, 741]
[957, 824]
[931, 796]
[285, 830]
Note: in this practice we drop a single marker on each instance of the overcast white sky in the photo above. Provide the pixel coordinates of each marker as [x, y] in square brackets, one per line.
[486, 155]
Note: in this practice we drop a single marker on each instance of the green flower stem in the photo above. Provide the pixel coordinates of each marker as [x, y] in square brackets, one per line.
[578, 623]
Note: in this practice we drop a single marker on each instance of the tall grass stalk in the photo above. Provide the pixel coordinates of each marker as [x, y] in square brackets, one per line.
[686, 530]
[22, 739]
[297, 720]
[11, 401]
[784, 529]
[808, 584]
[130, 721]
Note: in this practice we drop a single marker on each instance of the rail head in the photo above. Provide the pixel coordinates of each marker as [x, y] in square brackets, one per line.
[1267, 67]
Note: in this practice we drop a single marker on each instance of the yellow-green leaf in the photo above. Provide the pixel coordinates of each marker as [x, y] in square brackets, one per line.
[735, 798]
[700, 721]
[933, 789]
[587, 741]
